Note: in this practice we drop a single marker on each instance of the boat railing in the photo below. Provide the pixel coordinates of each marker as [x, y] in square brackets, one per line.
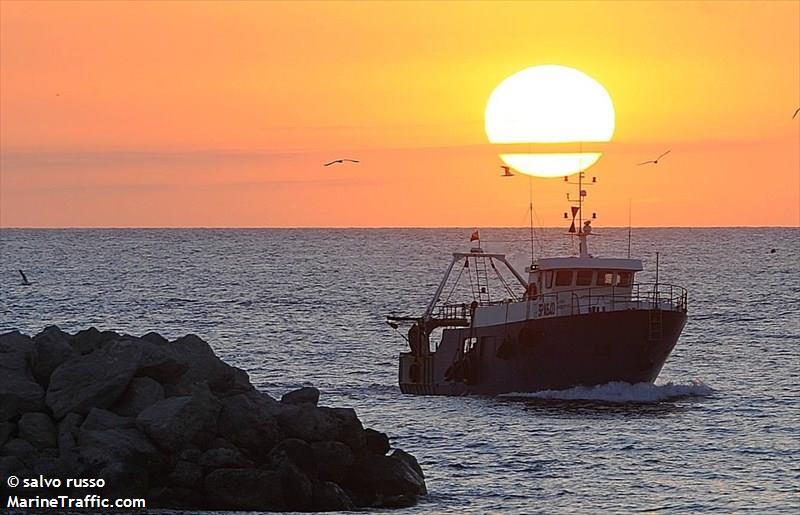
[652, 296]
[649, 296]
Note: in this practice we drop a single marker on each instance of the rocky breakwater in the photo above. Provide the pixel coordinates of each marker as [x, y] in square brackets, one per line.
[169, 422]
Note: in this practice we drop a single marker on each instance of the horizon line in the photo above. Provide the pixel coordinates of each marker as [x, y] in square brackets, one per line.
[378, 227]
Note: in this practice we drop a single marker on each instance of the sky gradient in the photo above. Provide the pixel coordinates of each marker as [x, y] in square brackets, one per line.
[221, 114]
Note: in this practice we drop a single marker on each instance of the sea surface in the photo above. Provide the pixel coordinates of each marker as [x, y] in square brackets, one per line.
[719, 432]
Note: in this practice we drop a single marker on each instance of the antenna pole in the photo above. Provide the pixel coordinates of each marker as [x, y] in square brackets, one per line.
[530, 209]
[629, 228]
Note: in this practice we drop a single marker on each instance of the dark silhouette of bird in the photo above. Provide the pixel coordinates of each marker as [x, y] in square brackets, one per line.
[25, 281]
[795, 113]
[341, 161]
[655, 161]
[506, 171]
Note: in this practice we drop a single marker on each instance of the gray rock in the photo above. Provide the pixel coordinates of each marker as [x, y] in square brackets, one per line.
[386, 481]
[186, 474]
[176, 497]
[38, 429]
[224, 458]
[142, 392]
[328, 496]
[10, 465]
[409, 460]
[125, 479]
[88, 340]
[18, 447]
[19, 392]
[248, 420]
[101, 448]
[177, 422]
[305, 395]
[298, 453]
[154, 337]
[190, 454]
[95, 380]
[322, 424]
[296, 486]
[7, 430]
[333, 460]
[100, 420]
[377, 442]
[160, 361]
[68, 431]
[206, 367]
[51, 348]
[245, 489]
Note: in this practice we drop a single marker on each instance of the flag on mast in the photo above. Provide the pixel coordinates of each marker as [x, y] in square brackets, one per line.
[475, 236]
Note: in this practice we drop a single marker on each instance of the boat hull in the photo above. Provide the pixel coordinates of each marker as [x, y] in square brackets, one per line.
[546, 354]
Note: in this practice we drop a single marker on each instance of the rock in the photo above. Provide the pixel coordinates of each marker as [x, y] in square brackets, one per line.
[68, 431]
[87, 340]
[174, 497]
[38, 429]
[51, 347]
[224, 458]
[328, 496]
[248, 420]
[409, 460]
[100, 449]
[100, 420]
[18, 447]
[206, 367]
[96, 380]
[7, 430]
[19, 392]
[177, 422]
[155, 338]
[296, 452]
[305, 395]
[333, 460]
[297, 488]
[377, 442]
[160, 361]
[186, 474]
[142, 392]
[321, 424]
[385, 481]
[125, 479]
[245, 489]
[190, 454]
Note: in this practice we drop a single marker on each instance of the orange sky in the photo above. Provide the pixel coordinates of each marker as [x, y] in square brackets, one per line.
[221, 114]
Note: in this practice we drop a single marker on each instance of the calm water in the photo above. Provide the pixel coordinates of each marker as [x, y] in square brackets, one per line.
[296, 307]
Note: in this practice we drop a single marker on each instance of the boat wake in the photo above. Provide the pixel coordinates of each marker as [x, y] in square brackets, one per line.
[618, 392]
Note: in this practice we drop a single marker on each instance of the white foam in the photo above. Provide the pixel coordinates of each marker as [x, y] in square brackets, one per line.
[624, 392]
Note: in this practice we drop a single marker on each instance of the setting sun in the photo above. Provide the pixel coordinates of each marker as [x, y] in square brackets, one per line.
[549, 104]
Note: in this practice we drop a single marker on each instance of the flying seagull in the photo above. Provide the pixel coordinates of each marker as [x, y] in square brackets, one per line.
[655, 161]
[506, 171]
[795, 113]
[25, 281]
[341, 161]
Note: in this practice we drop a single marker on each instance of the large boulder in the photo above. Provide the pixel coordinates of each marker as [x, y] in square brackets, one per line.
[103, 447]
[321, 424]
[248, 420]
[245, 489]
[142, 392]
[51, 348]
[19, 392]
[179, 422]
[160, 360]
[7, 429]
[205, 367]
[333, 460]
[38, 429]
[385, 481]
[306, 395]
[224, 458]
[96, 379]
[328, 496]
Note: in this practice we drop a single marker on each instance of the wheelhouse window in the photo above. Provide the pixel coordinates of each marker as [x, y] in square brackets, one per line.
[564, 278]
[625, 279]
[584, 278]
[605, 278]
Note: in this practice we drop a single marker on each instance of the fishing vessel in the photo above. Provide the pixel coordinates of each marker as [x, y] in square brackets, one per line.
[578, 320]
